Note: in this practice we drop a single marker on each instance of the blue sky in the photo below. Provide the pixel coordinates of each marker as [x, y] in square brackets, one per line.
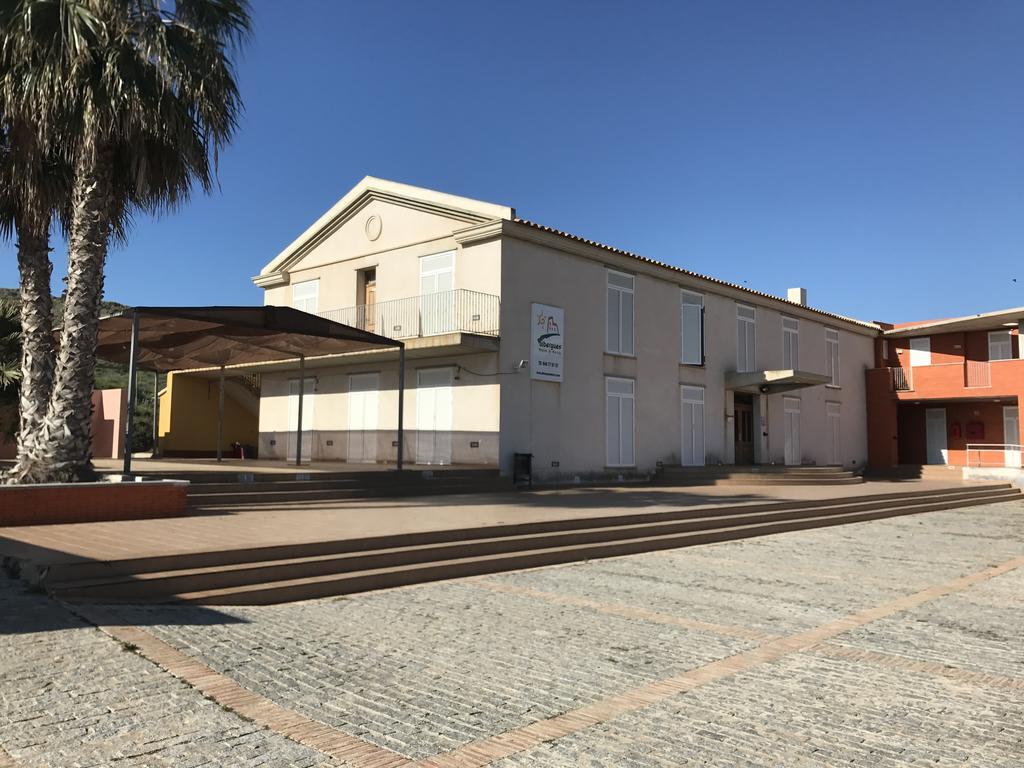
[872, 152]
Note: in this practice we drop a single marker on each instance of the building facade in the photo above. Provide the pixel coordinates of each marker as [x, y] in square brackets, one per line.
[948, 392]
[524, 339]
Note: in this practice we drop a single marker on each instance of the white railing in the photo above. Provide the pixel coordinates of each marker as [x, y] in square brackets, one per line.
[994, 455]
[977, 373]
[430, 314]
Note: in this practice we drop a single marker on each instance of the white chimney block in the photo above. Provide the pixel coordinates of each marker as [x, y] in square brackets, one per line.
[797, 296]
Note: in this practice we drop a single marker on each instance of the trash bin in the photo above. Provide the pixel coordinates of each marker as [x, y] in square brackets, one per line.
[522, 469]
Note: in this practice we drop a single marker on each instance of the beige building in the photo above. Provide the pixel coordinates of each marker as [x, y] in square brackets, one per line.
[521, 338]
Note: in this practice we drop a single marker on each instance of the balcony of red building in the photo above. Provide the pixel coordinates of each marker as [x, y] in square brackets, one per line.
[947, 392]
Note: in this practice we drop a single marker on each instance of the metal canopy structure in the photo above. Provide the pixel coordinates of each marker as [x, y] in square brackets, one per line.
[773, 382]
[164, 339]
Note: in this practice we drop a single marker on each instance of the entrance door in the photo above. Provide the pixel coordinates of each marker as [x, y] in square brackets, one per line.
[307, 419]
[1011, 435]
[935, 435]
[437, 296]
[791, 411]
[743, 428]
[833, 425]
[693, 426]
[362, 416]
[434, 416]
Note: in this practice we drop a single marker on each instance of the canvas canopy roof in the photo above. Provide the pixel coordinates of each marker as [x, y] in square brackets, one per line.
[177, 338]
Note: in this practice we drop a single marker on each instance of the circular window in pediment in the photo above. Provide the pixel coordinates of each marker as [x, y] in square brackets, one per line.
[373, 227]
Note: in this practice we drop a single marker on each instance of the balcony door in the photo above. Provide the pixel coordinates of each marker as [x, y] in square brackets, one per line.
[693, 426]
[363, 407]
[1011, 436]
[791, 410]
[434, 416]
[935, 435]
[437, 293]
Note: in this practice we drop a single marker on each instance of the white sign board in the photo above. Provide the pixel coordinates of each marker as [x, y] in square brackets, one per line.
[547, 328]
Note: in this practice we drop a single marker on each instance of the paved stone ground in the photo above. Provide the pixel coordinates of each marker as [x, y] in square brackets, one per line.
[428, 670]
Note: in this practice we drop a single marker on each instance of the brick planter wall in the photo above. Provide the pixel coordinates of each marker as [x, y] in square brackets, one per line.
[91, 502]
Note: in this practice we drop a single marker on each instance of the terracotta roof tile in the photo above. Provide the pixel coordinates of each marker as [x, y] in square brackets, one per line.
[715, 280]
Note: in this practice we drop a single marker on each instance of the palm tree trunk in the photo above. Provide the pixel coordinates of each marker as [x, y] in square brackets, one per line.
[63, 450]
[37, 347]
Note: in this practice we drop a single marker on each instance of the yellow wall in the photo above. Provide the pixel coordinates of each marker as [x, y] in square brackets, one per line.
[188, 418]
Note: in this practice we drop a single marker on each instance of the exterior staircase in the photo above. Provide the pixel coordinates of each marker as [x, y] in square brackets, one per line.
[759, 474]
[207, 491]
[275, 574]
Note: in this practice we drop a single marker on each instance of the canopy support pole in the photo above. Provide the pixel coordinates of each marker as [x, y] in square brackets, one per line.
[401, 405]
[298, 427]
[156, 413]
[133, 369]
[220, 417]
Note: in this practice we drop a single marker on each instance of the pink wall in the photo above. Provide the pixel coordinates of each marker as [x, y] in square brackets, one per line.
[109, 409]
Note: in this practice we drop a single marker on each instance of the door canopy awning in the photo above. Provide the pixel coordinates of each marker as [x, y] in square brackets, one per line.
[773, 382]
[180, 338]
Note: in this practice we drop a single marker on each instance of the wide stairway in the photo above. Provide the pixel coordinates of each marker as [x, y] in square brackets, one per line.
[207, 490]
[760, 474]
[275, 574]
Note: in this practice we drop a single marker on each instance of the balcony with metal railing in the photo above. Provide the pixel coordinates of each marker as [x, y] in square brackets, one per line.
[430, 314]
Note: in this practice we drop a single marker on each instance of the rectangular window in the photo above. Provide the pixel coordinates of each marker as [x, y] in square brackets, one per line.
[746, 317]
[921, 351]
[832, 356]
[790, 343]
[619, 414]
[306, 296]
[693, 426]
[620, 313]
[692, 326]
[1000, 346]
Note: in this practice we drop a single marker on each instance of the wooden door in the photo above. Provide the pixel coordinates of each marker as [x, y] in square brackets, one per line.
[370, 300]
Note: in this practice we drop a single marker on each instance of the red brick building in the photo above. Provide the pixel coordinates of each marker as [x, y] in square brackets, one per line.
[943, 385]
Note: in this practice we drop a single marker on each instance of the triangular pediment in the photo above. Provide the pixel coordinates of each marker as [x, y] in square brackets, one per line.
[379, 215]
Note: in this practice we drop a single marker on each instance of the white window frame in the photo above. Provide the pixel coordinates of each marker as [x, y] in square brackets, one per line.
[688, 302]
[692, 395]
[832, 362]
[995, 343]
[306, 296]
[620, 399]
[920, 351]
[616, 340]
[746, 338]
[790, 343]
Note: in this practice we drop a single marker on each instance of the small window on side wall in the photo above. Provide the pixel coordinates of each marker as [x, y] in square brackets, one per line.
[306, 296]
[692, 328]
[832, 356]
[619, 339]
[1000, 345]
[790, 343]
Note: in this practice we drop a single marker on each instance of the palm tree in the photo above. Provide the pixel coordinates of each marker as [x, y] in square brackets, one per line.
[33, 189]
[143, 95]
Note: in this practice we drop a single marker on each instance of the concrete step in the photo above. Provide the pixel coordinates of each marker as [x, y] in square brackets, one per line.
[756, 475]
[69, 571]
[168, 583]
[369, 561]
[379, 578]
[248, 496]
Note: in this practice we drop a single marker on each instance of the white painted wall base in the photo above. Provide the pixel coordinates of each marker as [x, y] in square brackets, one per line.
[1002, 474]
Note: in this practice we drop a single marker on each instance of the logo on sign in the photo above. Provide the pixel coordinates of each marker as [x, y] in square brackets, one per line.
[547, 342]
